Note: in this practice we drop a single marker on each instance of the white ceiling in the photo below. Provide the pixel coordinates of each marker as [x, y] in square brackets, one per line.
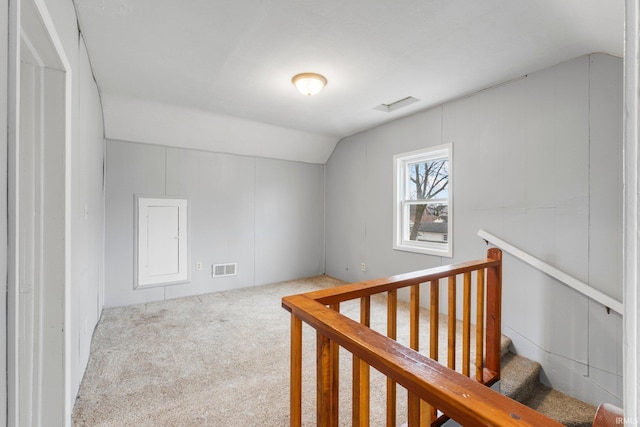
[234, 59]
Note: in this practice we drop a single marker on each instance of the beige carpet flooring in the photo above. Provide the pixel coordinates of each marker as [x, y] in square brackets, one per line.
[220, 359]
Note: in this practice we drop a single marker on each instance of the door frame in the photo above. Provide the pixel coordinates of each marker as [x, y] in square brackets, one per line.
[32, 18]
[631, 222]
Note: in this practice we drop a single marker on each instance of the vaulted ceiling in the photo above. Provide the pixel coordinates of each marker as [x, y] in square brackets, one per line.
[216, 74]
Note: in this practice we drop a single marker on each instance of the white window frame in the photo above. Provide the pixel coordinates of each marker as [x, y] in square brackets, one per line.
[401, 201]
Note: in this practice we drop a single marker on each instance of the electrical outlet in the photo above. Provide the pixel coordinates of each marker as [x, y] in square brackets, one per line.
[363, 267]
[198, 266]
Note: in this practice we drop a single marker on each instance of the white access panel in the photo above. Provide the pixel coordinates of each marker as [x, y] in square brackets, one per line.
[161, 241]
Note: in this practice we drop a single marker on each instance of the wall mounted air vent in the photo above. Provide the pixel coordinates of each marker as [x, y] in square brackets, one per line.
[223, 270]
[401, 103]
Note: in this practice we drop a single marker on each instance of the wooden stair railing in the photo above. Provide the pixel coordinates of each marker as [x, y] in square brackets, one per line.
[608, 415]
[433, 388]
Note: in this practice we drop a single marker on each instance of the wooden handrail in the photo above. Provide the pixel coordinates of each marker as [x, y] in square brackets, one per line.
[460, 397]
[430, 385]
[376, 286]
[608, 415]
[585, 289]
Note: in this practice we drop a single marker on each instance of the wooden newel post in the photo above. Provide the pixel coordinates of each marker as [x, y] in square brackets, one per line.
[494, 312]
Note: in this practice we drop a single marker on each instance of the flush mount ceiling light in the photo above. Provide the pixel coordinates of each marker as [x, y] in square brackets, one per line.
[309, 83]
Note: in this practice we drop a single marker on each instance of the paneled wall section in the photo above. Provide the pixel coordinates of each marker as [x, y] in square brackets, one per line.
[537, 162]
[265, 215]
[87, 216]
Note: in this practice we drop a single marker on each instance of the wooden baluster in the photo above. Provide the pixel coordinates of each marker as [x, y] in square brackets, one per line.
[413, 418]
[324, 382]
[327, 364]
[425, 414]
[419, 411]
[466, 325]
[413, 405]
[494, 312]
[434, 321]
[355, 392]
[414, 318]
[360, 410]
[296, 372]
[451, 324]
[480, 325]
[335, 375]
[392, 329]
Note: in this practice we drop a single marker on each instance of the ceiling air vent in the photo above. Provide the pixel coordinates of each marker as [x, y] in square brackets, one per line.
[401, 103]
[223, 270]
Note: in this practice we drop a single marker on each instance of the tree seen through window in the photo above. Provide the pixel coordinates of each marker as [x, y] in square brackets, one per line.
[429, 182]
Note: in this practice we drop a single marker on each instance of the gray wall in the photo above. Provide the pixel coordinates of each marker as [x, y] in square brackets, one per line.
[4, 119]
[537, 162]
[87, 214]
[266, 215]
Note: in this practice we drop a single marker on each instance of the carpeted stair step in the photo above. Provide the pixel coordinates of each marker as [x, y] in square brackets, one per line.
[520, 381]
[518, 377]
[562, 408]
[505, 346]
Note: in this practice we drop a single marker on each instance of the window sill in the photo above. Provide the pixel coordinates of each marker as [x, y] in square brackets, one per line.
[441, 252]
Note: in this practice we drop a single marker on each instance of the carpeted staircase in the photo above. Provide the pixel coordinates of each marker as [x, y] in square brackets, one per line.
[520, 381]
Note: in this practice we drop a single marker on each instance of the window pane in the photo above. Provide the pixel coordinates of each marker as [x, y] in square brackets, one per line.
[429, 222]
[428, 180]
